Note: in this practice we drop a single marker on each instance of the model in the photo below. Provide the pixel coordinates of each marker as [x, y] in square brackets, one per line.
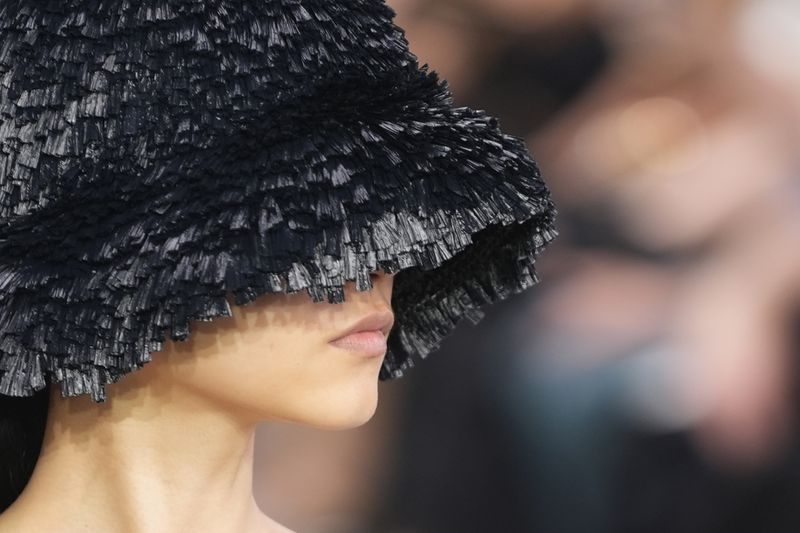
[277, 185]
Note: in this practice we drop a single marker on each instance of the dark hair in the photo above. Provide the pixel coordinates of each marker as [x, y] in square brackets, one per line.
[22, 424]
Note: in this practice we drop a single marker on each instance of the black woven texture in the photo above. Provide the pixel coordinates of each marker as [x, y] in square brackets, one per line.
[158, 155]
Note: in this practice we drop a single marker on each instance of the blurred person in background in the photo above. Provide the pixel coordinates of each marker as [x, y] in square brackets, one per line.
[651, 384]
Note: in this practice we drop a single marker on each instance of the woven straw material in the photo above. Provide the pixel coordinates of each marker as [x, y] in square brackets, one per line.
[158, 155]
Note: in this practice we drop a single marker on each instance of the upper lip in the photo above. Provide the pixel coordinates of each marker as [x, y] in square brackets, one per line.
[379, 320]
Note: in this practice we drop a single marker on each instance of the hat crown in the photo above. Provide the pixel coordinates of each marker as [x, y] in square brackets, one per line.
[100, 89]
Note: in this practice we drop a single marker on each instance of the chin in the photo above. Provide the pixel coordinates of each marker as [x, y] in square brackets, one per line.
[350, 407]
[344, 405]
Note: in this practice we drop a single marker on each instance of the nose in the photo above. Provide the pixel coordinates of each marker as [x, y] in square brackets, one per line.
[382, 283]
[380, 276]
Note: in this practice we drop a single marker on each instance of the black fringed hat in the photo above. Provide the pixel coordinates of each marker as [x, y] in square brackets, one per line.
[156, 155]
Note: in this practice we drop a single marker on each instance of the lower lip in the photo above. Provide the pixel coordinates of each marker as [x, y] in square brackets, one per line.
[367, 343]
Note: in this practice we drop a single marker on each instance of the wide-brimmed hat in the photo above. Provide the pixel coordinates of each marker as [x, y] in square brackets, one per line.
[157, 156]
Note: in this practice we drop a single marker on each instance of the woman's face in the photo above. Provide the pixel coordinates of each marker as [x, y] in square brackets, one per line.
[272, 359]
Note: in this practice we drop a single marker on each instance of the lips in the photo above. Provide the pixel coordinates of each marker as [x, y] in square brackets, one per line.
[381, 320]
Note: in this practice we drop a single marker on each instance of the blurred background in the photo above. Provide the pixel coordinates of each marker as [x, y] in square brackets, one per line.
[649, 383]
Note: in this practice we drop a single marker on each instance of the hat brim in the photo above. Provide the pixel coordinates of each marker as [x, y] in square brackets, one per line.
[307, 194]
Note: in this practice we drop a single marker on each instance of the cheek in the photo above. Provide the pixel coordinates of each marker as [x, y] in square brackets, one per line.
[254, 366]
[286, 373]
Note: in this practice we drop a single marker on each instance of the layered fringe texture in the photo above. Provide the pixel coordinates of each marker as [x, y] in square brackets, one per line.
[157, 155]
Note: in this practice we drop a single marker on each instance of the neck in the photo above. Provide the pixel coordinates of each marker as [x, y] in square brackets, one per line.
[142, 461]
